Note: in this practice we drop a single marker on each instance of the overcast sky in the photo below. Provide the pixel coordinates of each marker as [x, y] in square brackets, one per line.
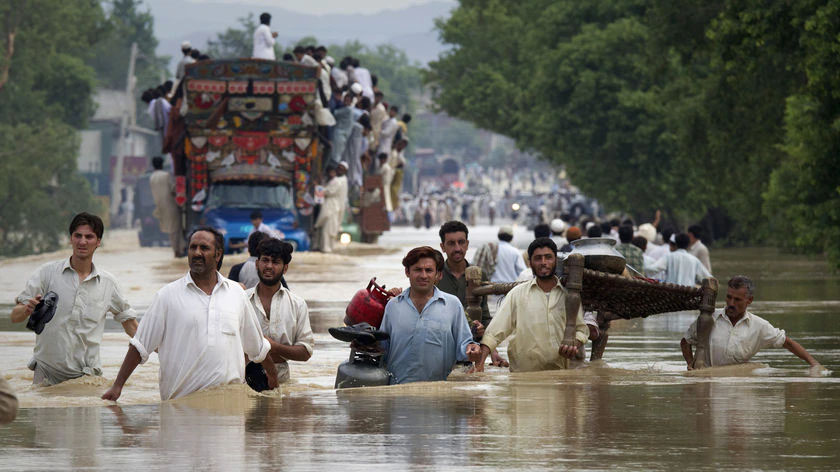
[320, 7]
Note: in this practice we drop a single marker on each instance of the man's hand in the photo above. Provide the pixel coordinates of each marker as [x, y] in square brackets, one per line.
[497, 360]
[477, 328]
[394, 291]
[24, 310]
[112, 393]
[569, 352]
[484, 351]
[274, 34]
[474, 353]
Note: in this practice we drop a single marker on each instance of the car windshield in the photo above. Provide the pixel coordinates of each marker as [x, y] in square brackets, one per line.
[249, 195]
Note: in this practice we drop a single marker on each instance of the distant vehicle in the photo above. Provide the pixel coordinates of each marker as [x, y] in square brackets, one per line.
[144, 208]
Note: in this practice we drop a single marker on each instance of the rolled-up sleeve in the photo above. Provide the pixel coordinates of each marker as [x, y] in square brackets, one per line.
[253, 342]
[149, 333]
[119, 306]
[462, 334]
[36, 285]
[502, 324]
[581, 330]
[771, 337]
[303, 330]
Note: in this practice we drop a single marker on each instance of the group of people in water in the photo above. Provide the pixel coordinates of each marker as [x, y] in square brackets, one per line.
[204, 327]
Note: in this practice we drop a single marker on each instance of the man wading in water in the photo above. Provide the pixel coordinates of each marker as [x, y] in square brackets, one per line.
[68, 347]
[427, 327]
[737, 335]
[200, 325]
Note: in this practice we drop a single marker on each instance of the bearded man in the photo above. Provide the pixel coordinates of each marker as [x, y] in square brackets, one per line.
[283, 316]
[535, 313]
[199, 325]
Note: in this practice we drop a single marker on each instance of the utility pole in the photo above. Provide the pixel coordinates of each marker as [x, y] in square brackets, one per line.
[116, 182]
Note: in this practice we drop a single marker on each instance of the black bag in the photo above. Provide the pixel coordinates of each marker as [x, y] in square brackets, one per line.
[43, 312]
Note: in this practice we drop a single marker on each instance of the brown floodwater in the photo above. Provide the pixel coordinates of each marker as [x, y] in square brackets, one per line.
[637, 409]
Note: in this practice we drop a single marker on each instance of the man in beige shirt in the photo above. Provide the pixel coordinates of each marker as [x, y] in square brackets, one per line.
[535, 312]
[68, 347]
[283, 316]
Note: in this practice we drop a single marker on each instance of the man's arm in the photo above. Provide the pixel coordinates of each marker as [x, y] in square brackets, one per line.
[130, 327]
[283, 352]
[497, 331]
[800, 352]
[131, 361]
[687, 353]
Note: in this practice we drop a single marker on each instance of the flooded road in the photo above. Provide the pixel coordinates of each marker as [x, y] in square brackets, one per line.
[635, 410]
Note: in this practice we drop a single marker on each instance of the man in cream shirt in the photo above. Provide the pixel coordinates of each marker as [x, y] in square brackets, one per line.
[737, 335]
[535, 313]
[283, 316]
[68, 347]
[200, 325]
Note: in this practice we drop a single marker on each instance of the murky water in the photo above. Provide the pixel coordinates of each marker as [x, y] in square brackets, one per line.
[636, 410]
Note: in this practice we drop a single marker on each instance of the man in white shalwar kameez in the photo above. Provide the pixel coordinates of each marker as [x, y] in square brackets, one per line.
[328, 222]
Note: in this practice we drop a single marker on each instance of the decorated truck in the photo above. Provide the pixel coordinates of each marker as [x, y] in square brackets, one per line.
[250, 144]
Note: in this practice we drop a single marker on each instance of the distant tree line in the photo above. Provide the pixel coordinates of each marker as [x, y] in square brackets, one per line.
[723, 109]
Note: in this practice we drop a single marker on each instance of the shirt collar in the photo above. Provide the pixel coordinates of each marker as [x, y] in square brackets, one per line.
[252, 292]
[93, 271]
[446, 268]
[747, 318]
[436, 295]
[220, 280]
[533, 283]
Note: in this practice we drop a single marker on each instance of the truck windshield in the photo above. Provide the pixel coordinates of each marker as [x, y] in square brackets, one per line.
[249, 195]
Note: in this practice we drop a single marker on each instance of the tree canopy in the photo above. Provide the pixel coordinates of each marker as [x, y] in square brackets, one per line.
[53, 55]
[711, 108]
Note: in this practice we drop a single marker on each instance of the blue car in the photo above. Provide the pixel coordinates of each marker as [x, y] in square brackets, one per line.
[229, 207]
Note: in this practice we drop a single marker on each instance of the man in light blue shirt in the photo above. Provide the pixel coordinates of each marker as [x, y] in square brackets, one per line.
[427, 327]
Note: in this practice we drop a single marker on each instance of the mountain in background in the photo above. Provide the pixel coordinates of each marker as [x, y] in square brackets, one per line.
[410, 29]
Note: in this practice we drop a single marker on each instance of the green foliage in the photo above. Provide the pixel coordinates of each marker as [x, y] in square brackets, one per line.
[40, 188]
[696, 107]
[46, 98]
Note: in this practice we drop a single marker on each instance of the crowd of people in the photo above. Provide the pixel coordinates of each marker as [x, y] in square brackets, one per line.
[203, 325]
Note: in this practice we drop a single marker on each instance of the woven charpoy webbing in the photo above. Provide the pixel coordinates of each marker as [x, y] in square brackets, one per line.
[635, 297]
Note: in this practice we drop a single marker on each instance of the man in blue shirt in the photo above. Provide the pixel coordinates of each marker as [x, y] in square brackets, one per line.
[427, 327]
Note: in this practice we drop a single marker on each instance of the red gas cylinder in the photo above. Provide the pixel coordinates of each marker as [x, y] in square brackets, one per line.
[367, 305]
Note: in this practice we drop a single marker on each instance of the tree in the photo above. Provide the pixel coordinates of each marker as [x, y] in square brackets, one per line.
[46, 96]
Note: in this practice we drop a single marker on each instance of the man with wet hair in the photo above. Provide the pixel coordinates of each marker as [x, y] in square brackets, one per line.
[535, 313]
[199, 325]
[737, 335]
[454, 242]
[68, 347]
[428, 328]
[264, 39]
[283, 316]
[680, 267]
